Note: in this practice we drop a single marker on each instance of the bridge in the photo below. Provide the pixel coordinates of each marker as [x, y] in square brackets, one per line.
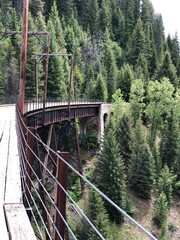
[35, 202]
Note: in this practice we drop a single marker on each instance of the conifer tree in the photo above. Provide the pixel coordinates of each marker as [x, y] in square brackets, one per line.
[54, 17]
[128, 10]
[173, 44]
[160, 214]
[105, 16]
[125, 78]
[142, 178]
[166, 184]
[11, 74]
[110, 175]
[159, 38]
[32, 49]
[110, 65]
[118, 23]
[98, 215]
[65, 7]
[170, 141]
[36, 6]
[137, 99]
[141, 69]
[57, 87]
[101, 88]
[93, 17]
[123, 132]
[168, 70]
[137, 44]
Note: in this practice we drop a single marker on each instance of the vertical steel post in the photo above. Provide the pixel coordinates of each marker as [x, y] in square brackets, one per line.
[46, 74]
[23, 56]
[60, 194]
[70, 82]
[36, 79]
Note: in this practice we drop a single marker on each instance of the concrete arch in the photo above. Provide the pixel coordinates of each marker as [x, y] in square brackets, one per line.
[105, 111]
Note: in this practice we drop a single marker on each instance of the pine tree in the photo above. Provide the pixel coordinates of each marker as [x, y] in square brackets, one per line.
[123, 132]
[128, 10]
[159, 37]
[168, 70]
[161, 211]
[93, 17]
[11, 75]
[166, 184]
[137, 43]
[36, 6]
[142, 178]
[173, 44]
[137, 99]
[141, 68]
[110, 65]
[118, 23]
[110, 175]
[32, 49]
[54, 17]
[65, 7]
[105, 16]
[101, 88]
[170, 141]
[97, 214]
[125, 78]
[57, 87]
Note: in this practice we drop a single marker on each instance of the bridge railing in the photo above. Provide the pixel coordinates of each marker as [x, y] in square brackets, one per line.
[44, 188]
[33, 104]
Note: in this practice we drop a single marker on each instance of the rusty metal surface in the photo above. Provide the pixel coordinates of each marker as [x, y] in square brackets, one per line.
[23, 56]
[61, 195]
[61, 113]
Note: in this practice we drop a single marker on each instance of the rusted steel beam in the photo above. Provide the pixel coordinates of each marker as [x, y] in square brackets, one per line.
[23, 56]
[20, 32]
[46, 75]
[60, 194]
[70, 82]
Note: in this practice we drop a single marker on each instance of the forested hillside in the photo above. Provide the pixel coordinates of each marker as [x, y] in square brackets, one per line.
[121, 55]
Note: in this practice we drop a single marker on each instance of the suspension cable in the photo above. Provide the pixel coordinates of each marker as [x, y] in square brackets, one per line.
[88, 183]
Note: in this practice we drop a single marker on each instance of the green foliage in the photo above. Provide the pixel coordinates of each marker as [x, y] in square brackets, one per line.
[160, 214]
[125, 78]
[142, 178]
[169, 147]
[110, 175]
[98, 216]
[137, 99]
[168, 70]
[166, 184]
[137, 43]
[159, 103]
[89, 141]
[110, 65]
[123, 132]
[57, 87]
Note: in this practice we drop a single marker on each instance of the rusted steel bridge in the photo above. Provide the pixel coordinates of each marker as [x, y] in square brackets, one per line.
[34, 200]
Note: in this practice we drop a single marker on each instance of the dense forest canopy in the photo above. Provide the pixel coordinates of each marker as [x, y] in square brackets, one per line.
[114, 42]
[121, 55]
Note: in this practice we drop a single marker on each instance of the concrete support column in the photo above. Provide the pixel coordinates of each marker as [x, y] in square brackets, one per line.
[104, 113]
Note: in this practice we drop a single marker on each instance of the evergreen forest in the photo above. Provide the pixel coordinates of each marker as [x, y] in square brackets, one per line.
[121, 55]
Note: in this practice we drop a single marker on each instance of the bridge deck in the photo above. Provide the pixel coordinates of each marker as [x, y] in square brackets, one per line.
[14, 222]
